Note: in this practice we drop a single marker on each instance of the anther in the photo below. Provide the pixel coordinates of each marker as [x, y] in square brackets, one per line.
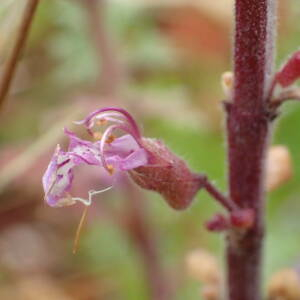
[110, 139]
[101, 122]
[110, 169]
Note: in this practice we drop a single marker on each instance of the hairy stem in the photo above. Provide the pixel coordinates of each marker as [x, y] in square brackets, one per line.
[227, 203]
[292, 95]
[248, 136]
[11, 65]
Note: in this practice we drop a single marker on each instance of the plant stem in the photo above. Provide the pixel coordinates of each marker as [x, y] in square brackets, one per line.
[227, 203]
[143, 236]
[10, 67]
[248, 137]
[112, 73]
[292, 95]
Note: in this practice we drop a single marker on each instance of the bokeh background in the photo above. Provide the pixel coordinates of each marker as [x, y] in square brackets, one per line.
[162, 60]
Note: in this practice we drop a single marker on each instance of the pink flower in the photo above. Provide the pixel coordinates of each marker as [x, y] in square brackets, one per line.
[148, 161]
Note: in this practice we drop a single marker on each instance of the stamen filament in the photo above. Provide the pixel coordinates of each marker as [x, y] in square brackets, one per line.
[84, 214]
[88, 201]
[114, 112]
[79, 229]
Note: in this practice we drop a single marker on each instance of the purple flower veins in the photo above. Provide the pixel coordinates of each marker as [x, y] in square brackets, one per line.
[111, 153]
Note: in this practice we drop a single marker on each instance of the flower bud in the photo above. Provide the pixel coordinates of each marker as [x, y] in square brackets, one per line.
[167, 174]
[227, 84]
[203, 266]
[290, 72]
[217, 223]
[211, 292]
[279, 167]
[284, 284]
[243, 218]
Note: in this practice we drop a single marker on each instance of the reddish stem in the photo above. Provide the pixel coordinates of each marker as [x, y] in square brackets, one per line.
[112, 73]
[144, 238]
[12, 61]
[293, 94]
[248, 137]
[227, 203]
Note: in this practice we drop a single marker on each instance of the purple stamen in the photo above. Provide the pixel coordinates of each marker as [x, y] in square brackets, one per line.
[89, 119]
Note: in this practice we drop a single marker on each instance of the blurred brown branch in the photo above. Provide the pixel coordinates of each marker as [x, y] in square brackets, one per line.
[112, 73]
[140, 230]
[10, 67]
[134, 220]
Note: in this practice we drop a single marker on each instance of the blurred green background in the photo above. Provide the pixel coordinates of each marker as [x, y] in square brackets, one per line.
[163, 62]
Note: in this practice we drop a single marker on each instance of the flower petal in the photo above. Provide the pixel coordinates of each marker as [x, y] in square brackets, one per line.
[83, 151]
[122, 146]
[58, 178]
[133, 160]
